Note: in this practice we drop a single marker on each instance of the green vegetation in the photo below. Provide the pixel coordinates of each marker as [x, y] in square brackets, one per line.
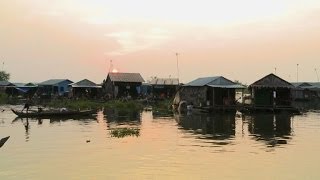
[123, 106]
[162, 107]
[4, 76]
[3, 98]
[123, 132]
[74, 104]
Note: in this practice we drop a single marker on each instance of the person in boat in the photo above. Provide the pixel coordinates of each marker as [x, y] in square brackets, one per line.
[26, 106]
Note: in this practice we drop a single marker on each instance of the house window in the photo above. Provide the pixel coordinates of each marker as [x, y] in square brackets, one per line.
[61, 89]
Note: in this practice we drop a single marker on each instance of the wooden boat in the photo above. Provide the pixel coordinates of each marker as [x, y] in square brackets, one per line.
[3, 140]
[55, 113]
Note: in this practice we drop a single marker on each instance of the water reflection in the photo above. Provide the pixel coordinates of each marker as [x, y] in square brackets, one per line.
[271, 129]
[27, 127]
[123, 118]
[162, 115]
[52, 120]
[123, 124]
[28, 122]
[218, 126]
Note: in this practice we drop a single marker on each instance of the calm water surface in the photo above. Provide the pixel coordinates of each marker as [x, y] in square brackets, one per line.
[189, 147]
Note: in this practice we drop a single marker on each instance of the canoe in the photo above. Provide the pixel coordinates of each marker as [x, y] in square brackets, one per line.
[55, 113]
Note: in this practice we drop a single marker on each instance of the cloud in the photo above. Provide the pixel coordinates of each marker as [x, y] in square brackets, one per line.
[132, 41]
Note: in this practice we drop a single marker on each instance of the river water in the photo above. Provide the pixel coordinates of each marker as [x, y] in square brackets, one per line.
[229, 146]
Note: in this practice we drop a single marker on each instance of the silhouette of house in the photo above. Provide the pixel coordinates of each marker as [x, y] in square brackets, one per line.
[119, 85]
[22, 89]
[54, 87]
[208, 91]
[85, 89]
[271, 90]
[164, 87]
[4, 85]
[305, 90]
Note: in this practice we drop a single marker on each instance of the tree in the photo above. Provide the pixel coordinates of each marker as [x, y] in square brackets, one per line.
[4, 76]
[238, 82]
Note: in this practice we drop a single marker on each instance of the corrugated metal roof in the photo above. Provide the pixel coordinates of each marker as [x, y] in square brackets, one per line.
[85, 84]
[315, 84]
[202, 81]
[235, 86]
[53, 82]
[23, 85]
[300, 84]
[271, 81]
[19, 84]
[165, 81]
[126, 77]
[216, 81]
[4, 83]
[307, 85]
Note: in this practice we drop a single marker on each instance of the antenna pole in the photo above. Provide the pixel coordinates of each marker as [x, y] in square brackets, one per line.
[177, 55]
[317, 73]
[297, 72]
[111, 66]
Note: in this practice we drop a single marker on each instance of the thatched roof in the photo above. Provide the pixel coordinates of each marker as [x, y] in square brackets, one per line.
[271, 81]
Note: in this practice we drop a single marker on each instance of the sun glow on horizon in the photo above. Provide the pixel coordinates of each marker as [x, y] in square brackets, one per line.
[114, 71]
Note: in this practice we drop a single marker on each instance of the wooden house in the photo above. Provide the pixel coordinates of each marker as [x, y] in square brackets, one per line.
[164, 87]
[119, 85]
[213, 92]
[58, 87]
[271, 91]
[84, 89]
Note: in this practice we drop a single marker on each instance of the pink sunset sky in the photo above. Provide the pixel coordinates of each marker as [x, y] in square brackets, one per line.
[241, 40]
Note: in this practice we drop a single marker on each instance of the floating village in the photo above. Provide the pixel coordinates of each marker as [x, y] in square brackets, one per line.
[205, 94]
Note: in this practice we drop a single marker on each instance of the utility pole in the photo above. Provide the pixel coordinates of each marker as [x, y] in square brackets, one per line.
[297, 72]
[275, 71]
[110, 66]
[317, 73]
[178, 71]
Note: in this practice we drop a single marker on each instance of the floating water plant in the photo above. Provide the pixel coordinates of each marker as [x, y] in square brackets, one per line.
[123, 132]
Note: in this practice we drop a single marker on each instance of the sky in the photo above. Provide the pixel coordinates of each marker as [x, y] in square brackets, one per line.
[240, 40]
